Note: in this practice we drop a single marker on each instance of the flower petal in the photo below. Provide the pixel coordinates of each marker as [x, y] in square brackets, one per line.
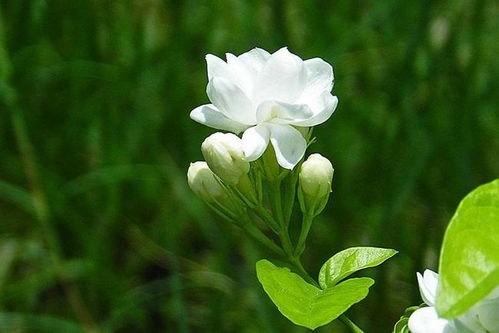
[323, 107]
[217, 67]
[231, 100]
[487, 313]
[255, 140]
[288, 143]
[245, 76]
[469, 322]
[426, 320]
[282, 78]
[428, 283]
[255, 59]
[209, 115]
[320, 76]
[282, 113]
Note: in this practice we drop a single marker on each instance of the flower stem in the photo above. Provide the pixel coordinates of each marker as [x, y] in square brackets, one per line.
[350, 324]
[267, 218]
[262, 238]
[305, 228]
[277, 204]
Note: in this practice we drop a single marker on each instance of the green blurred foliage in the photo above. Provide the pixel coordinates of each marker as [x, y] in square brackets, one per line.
[98, 230]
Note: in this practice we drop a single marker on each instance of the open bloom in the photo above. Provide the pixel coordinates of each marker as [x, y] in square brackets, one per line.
[477, 320]
[266, 96]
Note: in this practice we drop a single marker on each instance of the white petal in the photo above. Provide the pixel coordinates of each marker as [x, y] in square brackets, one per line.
[468, 322]
[245, 76]
[320, 75]
[231, 100]
[255, 140]
[488, 315]
[323, 108]
[426, 320]
[428, 283]
[282, 78]
[209, 115]
[217, 67]
[288, 143]
[494, 295]
[282, 113]
[255, 59]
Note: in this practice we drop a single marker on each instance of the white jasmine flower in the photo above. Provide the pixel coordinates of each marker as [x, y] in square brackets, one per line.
[266, 96]
[479, 319]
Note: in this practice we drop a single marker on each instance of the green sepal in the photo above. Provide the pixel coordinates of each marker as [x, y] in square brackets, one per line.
[402, 324]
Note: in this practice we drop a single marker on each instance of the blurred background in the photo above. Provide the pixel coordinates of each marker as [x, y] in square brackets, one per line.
[98, 229]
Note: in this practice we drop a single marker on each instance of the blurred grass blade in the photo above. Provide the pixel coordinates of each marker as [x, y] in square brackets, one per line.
[12, 322]
[17, 196]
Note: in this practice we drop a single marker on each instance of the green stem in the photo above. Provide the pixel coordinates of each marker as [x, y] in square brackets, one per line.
[262, 238]
[350, 324]
[298, 265]
[276, 203]
[305, 228]
[246, 224]
[286, 244]
[290, 193]
[283, 226]
[267, 218]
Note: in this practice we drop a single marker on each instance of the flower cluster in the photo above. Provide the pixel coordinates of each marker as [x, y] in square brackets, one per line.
[269, 98]
[262, 98]
[482, 318]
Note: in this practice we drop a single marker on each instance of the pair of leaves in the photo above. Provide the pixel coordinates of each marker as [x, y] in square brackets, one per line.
[309, 306]
[469, 260]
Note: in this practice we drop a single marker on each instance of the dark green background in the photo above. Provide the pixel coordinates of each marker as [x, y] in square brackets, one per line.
[98, 230]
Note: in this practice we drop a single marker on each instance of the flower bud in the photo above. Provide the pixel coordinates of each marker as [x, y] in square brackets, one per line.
[315, 179]
[204, 183]
[224, 154]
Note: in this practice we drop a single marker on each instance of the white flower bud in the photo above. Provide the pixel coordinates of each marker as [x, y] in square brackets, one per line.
[203, 182]
[224, 154]
[316, 175]
[315, 179]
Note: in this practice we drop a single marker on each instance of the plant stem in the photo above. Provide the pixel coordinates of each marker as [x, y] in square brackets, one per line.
[305, 228]
[298, 265]
[277, 204]
[267, 218]
[262, 238]
[289, 195]
[350, 324]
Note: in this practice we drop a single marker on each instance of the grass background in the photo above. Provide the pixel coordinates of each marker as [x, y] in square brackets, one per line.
[98, 230]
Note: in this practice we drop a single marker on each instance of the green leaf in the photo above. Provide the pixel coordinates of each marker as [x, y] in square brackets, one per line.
[469, 261]
[305, 304]
[349, 261]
